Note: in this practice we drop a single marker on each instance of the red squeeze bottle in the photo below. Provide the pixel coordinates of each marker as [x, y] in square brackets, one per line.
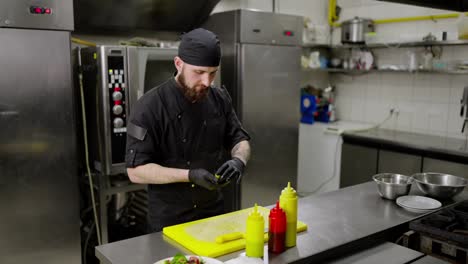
[277, 229]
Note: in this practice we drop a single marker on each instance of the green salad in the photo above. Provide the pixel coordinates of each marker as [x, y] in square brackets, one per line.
[181, 259]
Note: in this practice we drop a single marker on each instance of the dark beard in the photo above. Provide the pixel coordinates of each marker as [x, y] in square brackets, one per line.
[192, 95]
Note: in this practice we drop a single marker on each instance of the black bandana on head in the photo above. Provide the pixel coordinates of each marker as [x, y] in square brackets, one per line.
[200, 47]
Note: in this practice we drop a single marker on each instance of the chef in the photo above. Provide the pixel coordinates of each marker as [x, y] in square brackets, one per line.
[184, 139]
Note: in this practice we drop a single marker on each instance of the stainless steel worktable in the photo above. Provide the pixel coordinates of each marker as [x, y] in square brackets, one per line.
[444, 148]
[334, 219]
[387, 253]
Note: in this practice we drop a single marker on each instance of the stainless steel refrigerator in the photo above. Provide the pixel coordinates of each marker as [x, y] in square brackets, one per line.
[39, 202]
[260, 67]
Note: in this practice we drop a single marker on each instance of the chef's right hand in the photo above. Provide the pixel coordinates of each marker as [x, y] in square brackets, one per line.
[203, 178]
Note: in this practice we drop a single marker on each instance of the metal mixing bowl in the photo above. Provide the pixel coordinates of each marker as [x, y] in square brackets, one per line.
[439, 185]
[391, 185]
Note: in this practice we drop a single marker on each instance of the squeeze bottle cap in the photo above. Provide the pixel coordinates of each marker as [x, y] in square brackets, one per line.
[277, 211]
[289, 191]
[255, 215]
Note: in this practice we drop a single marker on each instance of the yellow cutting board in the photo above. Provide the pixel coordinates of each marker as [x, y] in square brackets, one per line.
[200, 236]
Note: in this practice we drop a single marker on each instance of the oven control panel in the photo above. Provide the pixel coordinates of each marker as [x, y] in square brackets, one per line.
[116, 79]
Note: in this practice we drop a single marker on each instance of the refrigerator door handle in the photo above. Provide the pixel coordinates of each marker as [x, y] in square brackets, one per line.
[9, 113]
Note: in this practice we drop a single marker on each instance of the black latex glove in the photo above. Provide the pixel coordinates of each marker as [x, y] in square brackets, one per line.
[230, 170]
[203, 178]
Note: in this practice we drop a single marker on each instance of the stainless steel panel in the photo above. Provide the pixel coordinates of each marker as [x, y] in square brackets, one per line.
[38, 180]
[138, 60]
[400, 163]
[435, 165]
[269, 28]
[270, 79]
[17, 14]
[358, 164]
[255, 27]
[287, 23]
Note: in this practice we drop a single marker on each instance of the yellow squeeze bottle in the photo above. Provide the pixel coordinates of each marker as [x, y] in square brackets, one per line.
[254, 242]
[288, 202]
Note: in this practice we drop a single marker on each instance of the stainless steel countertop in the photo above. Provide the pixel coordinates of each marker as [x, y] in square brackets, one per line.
[334, 219]
[388, 253]
[424, 143]
[429, 260]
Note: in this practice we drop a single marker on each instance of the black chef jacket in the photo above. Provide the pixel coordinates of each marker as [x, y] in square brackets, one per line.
[166, 129]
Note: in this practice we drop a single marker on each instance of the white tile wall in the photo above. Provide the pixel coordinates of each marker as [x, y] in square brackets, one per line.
[427, 103]
[316, 10]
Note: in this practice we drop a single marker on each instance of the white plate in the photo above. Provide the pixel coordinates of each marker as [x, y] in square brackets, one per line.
[418, 202]
[419, 211]
[206, 259]
[416, 210]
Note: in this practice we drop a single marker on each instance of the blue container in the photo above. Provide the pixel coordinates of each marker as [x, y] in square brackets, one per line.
[308, 108]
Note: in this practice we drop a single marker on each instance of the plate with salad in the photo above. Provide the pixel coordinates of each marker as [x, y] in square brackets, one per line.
[188, 259]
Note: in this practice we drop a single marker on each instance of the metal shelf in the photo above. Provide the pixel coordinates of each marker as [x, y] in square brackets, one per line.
[390, 45]
[356, 72]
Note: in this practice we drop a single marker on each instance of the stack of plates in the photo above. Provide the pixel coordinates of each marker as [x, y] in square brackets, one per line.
[418, 204]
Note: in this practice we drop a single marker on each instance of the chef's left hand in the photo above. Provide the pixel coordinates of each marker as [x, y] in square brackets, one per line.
[230, 169]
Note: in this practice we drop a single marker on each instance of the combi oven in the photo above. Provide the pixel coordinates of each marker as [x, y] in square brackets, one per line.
[114, 78]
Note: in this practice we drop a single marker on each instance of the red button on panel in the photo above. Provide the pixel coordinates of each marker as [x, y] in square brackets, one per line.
[119, 102]
[117, 89]
[38, 10]
[48, 11]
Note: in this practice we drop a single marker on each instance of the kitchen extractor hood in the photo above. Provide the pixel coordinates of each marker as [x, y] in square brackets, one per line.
[164, 15]
[454, 5]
